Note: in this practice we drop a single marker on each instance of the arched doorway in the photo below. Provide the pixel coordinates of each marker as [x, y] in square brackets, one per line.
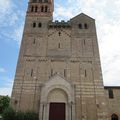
[57, 93]
[114, 117]
[57, 100]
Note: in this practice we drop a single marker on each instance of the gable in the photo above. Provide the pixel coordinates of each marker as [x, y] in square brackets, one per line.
[82, 16]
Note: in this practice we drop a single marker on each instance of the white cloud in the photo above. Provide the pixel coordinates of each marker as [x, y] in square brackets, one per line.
[10, 21]
[6, 88]
[2, 70]
[17, 34]
[6, 91]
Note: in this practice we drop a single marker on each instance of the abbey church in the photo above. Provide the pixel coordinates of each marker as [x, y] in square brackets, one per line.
[59, 73]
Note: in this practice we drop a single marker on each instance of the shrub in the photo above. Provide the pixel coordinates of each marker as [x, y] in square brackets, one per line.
[19, 115]
[31, 116]
[8, 114]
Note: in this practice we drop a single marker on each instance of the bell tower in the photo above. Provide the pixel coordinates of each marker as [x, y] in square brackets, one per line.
[41, 8]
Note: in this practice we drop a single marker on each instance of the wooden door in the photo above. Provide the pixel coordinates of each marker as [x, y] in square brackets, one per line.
[57, 111]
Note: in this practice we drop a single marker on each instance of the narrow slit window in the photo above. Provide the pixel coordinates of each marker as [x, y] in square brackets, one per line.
[110, 92]
[84, 42]
[34, 41]
[51, 72]
[59, 45]
[65, 72]
[85, 73]
[31, 72]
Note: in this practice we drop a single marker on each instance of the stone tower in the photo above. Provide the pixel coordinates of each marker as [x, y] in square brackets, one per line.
[58, 73]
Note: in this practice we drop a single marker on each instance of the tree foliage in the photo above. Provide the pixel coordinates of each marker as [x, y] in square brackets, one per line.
[4, 103]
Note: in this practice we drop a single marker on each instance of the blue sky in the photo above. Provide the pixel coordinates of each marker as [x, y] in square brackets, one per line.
[106, 13]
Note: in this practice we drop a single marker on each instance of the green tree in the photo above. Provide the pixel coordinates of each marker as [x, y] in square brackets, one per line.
[4, 103]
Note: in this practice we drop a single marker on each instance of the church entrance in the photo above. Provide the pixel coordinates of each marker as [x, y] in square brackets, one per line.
[57, 111]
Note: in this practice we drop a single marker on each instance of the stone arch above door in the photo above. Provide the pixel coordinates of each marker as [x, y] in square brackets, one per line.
[57, 82]
[57, 95]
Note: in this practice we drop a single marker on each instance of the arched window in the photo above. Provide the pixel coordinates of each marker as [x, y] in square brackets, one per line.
[46, 8]
[80, 26]
[34, 25]
[42, 9]
[111, 95]
[36, 8]
[32, 8]
[86, 26]
[114, 117]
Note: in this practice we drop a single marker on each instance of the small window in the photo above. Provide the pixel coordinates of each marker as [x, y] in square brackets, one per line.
[40, 25]
[114, 117]
[34, 25]
[80, 26]
[110, 92]
[85, 26]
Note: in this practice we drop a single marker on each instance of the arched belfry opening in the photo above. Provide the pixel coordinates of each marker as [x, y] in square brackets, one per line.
[57, 100]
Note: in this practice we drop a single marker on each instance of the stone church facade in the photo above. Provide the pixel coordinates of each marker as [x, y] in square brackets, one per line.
[58, 73]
